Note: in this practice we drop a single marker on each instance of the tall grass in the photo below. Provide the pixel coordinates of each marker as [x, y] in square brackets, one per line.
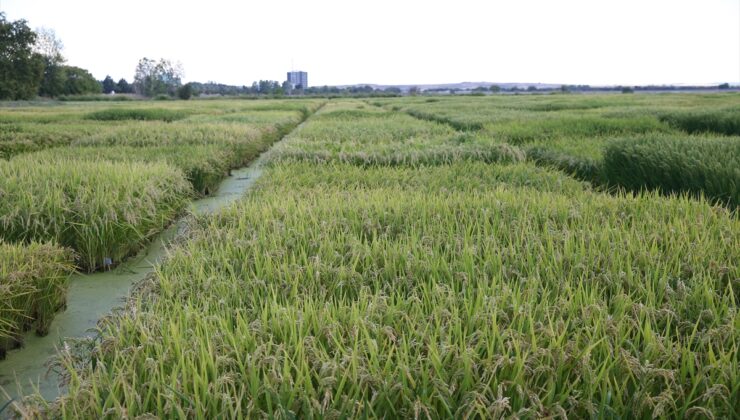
[700, 165]
[33, 286]
[102, 210]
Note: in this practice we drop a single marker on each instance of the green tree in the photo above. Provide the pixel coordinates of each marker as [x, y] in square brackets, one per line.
[50, 48]
[495, 88]
[264, 87]
[124, 87]
[21, 69]
[79, 81]
[52, 84]
[268, 87]
[109, 85]
[185, 92]
[287, 88]
[154, 78]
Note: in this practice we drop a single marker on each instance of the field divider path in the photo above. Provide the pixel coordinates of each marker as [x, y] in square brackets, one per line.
[92, 296]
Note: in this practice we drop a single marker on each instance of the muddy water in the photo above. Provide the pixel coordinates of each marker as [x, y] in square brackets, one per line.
[91, 296]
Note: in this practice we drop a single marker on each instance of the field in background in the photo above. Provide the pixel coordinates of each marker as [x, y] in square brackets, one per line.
[423, 257]
[687, 143]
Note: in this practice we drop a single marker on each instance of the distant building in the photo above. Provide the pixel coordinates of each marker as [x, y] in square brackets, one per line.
[298, 79]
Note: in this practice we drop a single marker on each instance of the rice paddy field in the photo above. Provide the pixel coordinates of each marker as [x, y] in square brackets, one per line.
[427, 257]
[585, 135]
[85, 188]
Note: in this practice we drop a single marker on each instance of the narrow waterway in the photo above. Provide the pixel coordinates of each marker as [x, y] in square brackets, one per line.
[92, 296]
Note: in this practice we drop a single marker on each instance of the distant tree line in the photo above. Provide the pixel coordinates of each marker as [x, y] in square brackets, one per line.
[272, 88]
[275, 88]
[573, 88]
[152, 78]
[122, 86]
[32, 64]
[21, 68]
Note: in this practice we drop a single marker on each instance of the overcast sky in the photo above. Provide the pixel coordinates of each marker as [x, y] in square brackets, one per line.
[402, 42]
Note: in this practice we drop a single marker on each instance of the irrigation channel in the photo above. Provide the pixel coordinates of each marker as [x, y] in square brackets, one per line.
[92, 296]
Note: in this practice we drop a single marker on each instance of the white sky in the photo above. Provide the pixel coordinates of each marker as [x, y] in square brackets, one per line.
[402, 42]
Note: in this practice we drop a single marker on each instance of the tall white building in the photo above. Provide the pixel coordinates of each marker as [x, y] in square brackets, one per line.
[298, 79]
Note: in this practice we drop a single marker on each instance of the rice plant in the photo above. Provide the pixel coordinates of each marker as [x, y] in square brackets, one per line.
[20, 138]
[33, 286]
[259, 119]
[583, 128]
[241, 142]
[102, 210]
[347, 133]
[143, 114]
[572, 132]
[461, 177]
[700, 165]
[576, 156]
[393, 266]
[315, 298]
[153, 134]
[721, 121]
[204, 166]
